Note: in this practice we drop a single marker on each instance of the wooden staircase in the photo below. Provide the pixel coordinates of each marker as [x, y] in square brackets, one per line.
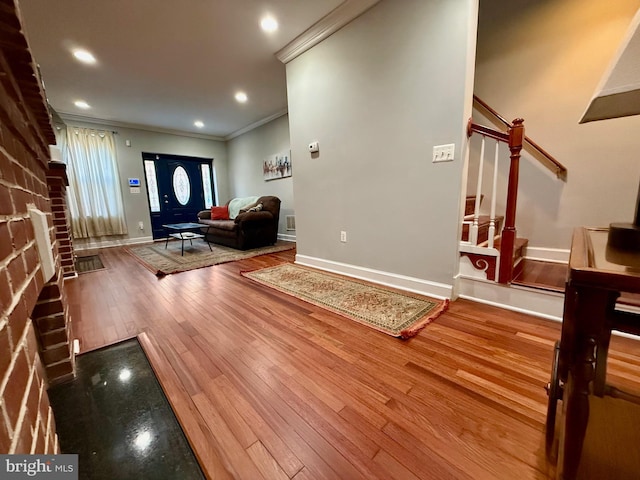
[484, 221]
[519, 250]
[483, 228]
[482, 242]
[489, 261]
[490, 242]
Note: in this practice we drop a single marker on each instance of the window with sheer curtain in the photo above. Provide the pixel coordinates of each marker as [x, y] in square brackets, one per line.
[94, 196]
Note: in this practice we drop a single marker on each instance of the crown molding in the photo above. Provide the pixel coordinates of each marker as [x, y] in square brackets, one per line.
[257, 124]
[69, 117]
[327, 25]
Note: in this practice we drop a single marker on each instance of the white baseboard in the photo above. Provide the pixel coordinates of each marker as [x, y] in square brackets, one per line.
[80, 245]
[556, 255]
[539, 303]
[402, 282]
[286, 237]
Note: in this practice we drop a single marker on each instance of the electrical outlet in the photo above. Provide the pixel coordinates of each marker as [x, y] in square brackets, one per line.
[141, 225]
[343, 236]
[443, 153]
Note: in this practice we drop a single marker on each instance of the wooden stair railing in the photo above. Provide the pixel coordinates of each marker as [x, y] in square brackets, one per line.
[516, 135]
[514, 138]
[539, 153]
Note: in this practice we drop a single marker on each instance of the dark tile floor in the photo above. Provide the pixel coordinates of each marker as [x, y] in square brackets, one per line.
[116, 417]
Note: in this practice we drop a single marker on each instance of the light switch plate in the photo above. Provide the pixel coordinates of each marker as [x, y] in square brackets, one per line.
[444, 153]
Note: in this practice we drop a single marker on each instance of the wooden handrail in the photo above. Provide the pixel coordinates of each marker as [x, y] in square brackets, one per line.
[486, 131]
[542, 155]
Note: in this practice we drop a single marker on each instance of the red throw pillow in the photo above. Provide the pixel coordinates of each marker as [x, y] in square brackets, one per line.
[220, 213]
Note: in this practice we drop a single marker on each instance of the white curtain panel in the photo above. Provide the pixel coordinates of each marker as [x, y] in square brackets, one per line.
[94, 195]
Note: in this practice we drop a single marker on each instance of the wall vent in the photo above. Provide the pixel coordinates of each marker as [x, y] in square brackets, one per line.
[291, 223]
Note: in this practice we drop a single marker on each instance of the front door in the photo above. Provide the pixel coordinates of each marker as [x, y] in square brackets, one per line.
[178, 187]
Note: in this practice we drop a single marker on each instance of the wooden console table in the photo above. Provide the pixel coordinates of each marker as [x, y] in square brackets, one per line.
[597, 277]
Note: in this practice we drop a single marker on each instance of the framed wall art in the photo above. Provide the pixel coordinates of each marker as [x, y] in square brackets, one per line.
[277, 166]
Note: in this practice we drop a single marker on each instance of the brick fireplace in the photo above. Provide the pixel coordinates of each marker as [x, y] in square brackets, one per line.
[35, 326]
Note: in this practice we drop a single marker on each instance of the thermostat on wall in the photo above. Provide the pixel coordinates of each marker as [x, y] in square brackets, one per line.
[134, 182]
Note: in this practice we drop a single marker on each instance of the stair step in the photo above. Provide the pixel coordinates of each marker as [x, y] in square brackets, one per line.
[630, 299]
[518, 248]
[552, 276]
[484, 221]
[518, 256]
[548, 276]
[470, 204]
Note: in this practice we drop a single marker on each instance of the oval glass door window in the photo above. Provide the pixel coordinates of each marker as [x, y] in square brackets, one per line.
[181, 185]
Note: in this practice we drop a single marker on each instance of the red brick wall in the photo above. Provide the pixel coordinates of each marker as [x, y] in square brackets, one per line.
[26, 423]
[58, 182]
[26, 419]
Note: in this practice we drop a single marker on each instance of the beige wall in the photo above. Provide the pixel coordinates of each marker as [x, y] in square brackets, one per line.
[246, 154]
[377, 96]
[542, 61]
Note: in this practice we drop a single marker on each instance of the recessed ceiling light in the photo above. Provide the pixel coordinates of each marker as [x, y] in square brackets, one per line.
[269, 24]
[241, 97]
[81, 104]
[198, 124]
[84, 56]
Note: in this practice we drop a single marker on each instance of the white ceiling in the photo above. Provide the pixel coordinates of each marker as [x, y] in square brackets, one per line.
[166, 63]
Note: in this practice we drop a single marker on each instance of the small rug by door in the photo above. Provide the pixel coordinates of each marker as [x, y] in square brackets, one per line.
[399, 314]
[88, 263]
[163, 261]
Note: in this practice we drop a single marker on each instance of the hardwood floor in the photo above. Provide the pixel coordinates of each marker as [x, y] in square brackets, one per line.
[267, 386]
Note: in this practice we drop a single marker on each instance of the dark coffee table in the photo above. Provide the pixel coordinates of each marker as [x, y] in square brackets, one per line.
[184, 231]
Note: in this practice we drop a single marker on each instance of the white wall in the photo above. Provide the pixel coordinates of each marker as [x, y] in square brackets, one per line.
[542, 61]
[246, 154]
[377, 96]
[130, 166]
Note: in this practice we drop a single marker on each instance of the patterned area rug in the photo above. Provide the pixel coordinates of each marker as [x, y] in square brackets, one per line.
[163, 261]
[398, 314]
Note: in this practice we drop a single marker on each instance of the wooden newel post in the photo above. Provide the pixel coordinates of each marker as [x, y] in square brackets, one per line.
[636, 220]
[516, 136]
